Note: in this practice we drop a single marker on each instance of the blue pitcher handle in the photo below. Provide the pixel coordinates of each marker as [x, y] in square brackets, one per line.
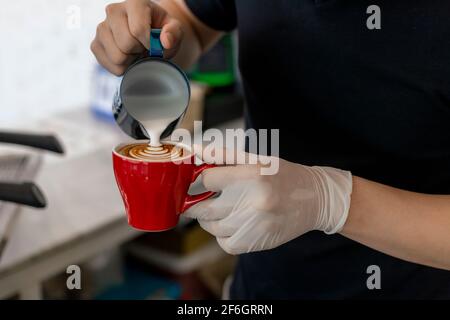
[156, 47]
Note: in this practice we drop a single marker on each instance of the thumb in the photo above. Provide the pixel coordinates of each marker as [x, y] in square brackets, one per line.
[171, 37]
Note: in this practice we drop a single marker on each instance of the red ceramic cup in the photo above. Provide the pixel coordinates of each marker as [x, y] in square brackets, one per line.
[155, 193]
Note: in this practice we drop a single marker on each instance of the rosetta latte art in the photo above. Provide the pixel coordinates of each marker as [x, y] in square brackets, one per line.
[149, 153]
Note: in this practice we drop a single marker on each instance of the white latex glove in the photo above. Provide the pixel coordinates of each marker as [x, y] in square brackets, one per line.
[255, 212]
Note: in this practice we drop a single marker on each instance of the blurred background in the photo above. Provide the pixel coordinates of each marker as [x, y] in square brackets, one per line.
[45, 50]
[56, 136]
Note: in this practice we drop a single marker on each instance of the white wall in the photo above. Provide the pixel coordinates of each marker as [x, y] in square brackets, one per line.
[45, 59]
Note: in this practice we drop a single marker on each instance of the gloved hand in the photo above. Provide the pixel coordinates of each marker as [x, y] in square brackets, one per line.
[255, 212]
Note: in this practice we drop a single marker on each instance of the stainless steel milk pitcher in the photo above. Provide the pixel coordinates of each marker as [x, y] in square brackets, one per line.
[152, 89]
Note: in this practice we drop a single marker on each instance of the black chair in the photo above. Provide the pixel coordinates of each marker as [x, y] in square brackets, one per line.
[27, 193]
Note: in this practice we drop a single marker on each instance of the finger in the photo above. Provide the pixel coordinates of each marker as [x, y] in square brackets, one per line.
[142, 16]
[208, 210]
[115, 55]
[199, 211]
[103, 59]
[217, 179]
[171, 35]
[254, 234]
[117, 20]
[218, 228]
[139, 13]
[224, 243]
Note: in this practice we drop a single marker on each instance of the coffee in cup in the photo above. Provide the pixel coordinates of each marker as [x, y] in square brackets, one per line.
[146, 152]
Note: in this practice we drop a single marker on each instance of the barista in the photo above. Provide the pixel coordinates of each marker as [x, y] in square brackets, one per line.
[363, 117]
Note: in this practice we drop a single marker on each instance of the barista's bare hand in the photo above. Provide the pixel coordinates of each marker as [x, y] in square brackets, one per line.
[125, 33]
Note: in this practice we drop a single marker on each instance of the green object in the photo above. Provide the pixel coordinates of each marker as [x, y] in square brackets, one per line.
[217, 67]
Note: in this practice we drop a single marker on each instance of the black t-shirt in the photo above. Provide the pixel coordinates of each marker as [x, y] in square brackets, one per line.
[376, 102]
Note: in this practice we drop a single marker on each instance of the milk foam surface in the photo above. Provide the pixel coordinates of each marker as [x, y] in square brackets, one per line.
[143, 151]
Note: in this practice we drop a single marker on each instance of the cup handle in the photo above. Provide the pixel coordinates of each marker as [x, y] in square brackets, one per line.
[156, 47]
[194, 199]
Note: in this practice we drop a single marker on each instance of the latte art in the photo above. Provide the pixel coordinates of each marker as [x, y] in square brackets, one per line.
[149, 153]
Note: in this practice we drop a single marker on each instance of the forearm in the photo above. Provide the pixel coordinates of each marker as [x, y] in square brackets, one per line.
[197, 39]
[407, 225]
